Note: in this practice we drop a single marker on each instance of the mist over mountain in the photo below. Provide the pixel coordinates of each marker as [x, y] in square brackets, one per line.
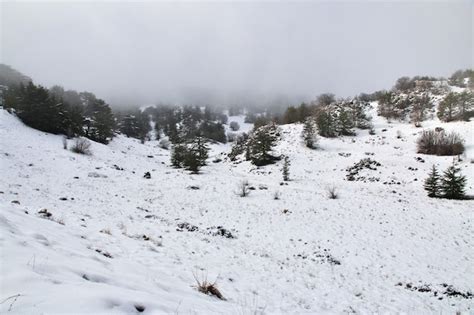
[233, 52]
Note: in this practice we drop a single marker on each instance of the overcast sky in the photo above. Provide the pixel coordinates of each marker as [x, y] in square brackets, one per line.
[144, 52]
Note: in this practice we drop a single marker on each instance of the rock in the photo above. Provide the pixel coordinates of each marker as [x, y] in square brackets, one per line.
[96, 175]
[44, 213]
[186, 226]
[140, 308]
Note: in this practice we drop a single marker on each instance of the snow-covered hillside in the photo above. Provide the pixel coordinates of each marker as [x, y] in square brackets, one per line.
[113, 242]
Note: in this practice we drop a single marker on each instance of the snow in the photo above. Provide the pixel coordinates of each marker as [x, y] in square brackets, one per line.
[283, 259]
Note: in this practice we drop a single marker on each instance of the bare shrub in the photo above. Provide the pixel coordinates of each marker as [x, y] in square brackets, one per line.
[332, 192]
[208, 288]
[440, 143]
[243, 189]
[81, 146]
[276, 195]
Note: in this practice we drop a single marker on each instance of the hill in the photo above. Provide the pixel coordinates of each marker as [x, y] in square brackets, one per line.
[90, 233]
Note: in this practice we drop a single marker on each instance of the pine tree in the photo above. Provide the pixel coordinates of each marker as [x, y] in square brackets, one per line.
[37, 108]
[432, 183]
[143, 126]
[178, 155]
[327, 124]
[192, 161]
[448, 107]
[190, 155]
[260, 145]
[345, 124]
[453, 183]
[201, 150]
[309, 133]
[99, 120]
[286, 169]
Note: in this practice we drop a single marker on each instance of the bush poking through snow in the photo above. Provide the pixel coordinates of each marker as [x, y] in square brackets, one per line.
[81, 146]
[244, 189]
[440, 143]
[276, 195]
[208, 288]
[332, 192]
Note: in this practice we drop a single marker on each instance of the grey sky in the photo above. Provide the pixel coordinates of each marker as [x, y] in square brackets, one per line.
[144, 52]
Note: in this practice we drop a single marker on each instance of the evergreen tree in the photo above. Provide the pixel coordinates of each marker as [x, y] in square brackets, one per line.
[213, 131]
[200, 150]
[128, 126]
[191, 161]
[286, 169]
[178, 155]
[466, 105]
[326, 122]
[143, 126]
[345, 123]
[303, 112]
[309, 133]
[421, 105]
[453, 183]
[261, 144]
[99, 120]
[75, 120]
[357, 110]
[37, 108]
[239, 147]
[191, 155]
[325, 99]
[291, 115]
[432, 183]
[447, 108]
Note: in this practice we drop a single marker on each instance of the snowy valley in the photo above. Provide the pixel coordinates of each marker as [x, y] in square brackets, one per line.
[90, 234]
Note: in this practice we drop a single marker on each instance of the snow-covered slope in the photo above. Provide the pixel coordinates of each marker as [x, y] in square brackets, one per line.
[115, 242]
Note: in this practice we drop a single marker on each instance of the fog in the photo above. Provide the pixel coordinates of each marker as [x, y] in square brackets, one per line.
[234, 52]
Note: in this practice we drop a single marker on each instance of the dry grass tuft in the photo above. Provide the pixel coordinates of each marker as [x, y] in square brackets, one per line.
[208, 288]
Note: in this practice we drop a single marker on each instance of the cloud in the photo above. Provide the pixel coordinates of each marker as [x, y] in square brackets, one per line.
[231, 52]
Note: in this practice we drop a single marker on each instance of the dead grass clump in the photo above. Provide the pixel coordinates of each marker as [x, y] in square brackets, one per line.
[332, 192]
[208, 288]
